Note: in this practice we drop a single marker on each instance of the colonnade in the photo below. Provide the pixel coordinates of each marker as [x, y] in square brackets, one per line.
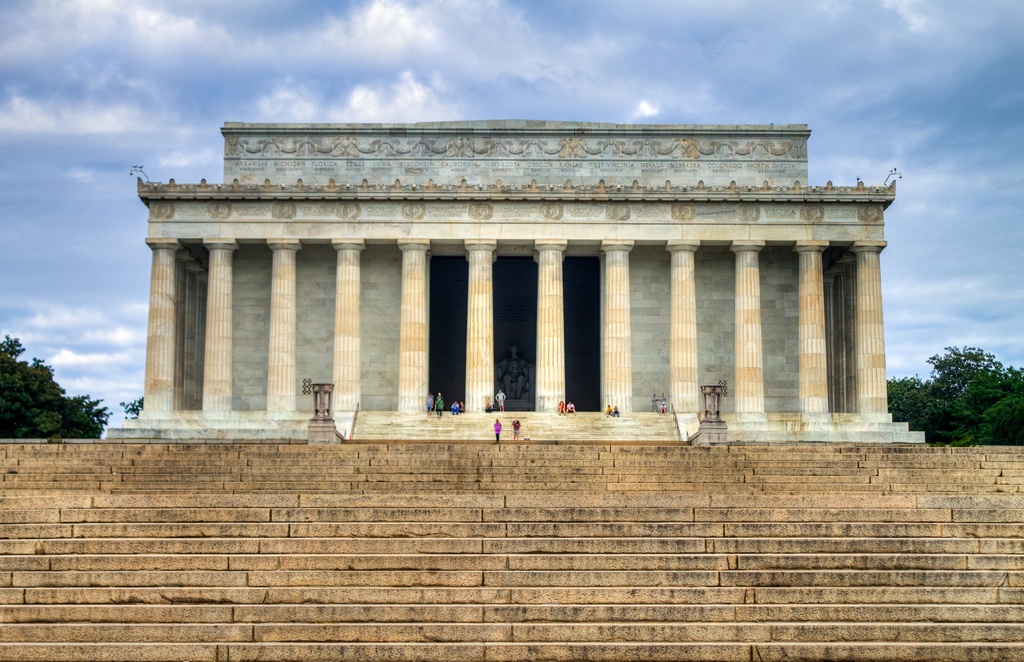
[164, 341]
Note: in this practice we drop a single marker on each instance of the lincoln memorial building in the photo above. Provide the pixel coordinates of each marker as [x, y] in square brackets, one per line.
[602, 264]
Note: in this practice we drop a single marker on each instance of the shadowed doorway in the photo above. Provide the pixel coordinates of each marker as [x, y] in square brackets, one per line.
[581, 283]
[449, 296]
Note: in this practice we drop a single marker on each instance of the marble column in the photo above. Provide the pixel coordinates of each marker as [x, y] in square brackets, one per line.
[412, 359]
[347, 331]
[161, 335]
[683, 387]
[194, 310]
[617, 364]
[550, 373]
[748, 388]
[813, 359]
[480, 324]
[217, 368]
[181, 262]
[281, 376]
[871, 385]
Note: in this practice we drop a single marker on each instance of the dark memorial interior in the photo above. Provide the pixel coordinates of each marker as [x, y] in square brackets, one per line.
[449, 295]
[515, 323]
[581, 278]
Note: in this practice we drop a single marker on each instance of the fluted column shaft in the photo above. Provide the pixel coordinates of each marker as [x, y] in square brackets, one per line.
[281, 379]
[194, 310]
[161, 333]
[748, 390]
[618, 352]
[872, 389]
[412, 351]
[480, 324]
[550, 325]
[813, 358]
[347, 332]
[683, 387]
[217, 369]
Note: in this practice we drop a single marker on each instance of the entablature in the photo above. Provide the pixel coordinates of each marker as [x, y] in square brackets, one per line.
[598, 193]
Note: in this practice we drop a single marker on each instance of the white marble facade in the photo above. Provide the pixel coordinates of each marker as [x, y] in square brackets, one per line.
[717, 263]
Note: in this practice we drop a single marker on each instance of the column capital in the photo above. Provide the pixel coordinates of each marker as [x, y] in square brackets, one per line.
[488, 245]
[746, 246]
[348, 244]
[810, 246]
[284, 244]
[690, 246]
[160, 244]
[221, 244]
[551, 245]
[414, 245]
[616, 245]
[868, 246]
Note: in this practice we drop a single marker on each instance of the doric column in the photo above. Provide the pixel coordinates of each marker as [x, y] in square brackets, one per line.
[550, 379]
[479, 325]
[748, 390]
[219, 331]
[683, 387]
[617, 347]
[412, 359]
[813, 361]
[347, 333]
[871, 385]
[161, 335]
[195, 308]
[281, 379]
[181, 262]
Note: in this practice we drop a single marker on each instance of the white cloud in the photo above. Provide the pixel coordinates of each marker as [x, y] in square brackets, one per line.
[67, 358]
[644, 110]
[913, 13]
[290, 102]
[393, 27]
[19, 115]
[405, 100]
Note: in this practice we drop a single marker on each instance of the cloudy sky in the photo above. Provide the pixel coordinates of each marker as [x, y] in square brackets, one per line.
[90, 88]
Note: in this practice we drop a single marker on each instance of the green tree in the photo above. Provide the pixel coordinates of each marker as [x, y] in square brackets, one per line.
[964, 402]
[134, 408]
[33, 405]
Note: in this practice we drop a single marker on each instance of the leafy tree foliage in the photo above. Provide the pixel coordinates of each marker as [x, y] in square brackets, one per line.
[33, 405]
[134, 408]
[971, 398]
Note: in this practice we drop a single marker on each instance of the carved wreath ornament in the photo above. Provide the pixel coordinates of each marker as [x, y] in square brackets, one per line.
[463, 147]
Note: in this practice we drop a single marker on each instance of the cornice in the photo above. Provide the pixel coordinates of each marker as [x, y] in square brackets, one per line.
[172, 191]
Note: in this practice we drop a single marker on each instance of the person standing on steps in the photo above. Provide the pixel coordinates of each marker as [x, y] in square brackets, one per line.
[497, 431]
[430, 404]
[515, 430]
[439, 404]
[499, 399]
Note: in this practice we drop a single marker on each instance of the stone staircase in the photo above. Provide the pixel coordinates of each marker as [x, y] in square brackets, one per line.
[537, 427]
[471, 551]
